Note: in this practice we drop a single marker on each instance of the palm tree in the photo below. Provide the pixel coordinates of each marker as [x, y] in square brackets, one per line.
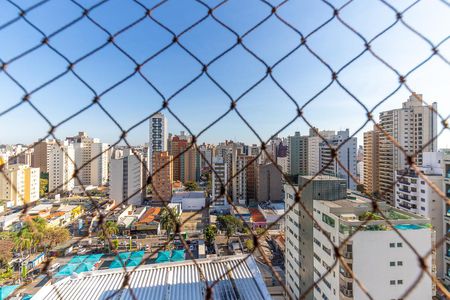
[23, 241]
[108, 229]
[169, 219]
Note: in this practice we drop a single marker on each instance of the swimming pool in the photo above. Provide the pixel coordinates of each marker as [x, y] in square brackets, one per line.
[408, 226]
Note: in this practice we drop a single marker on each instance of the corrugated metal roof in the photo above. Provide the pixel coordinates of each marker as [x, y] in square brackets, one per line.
[239, 279]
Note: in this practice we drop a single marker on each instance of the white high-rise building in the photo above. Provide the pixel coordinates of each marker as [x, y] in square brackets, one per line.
[158, 136]
[314, 149]
[378, 257]
[126, 183]
[61, 168]
[219, 177]
[19, 184]
[346, 155]
[413, 126]
[446, 189]
[91, 157]
[414, 195]
[241, 179]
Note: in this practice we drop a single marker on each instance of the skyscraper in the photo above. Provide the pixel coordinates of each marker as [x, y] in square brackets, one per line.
[298, 154]
[162, 177]
[158, 136]
[370, 161]
[219, 178]
[413, 126]
[346, 155]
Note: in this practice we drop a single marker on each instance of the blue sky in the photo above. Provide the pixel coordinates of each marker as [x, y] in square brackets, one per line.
[267, 108]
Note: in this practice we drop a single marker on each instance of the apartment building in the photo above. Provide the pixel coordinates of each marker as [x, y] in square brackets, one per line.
[269, 183]
[20, 185]
[162, 176]
[126, 182]
[346, 154]
[415, 195]
[446, 189]
[91, 158]
[61, 168]
[158, 136]
[413, 126]
[314, 141]
[41, 154]
[240, 195]
[298, 154]
[378, 257]
[370, 162]
[219, 179]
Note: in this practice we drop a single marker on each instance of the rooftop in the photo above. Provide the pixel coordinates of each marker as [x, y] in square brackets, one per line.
[257, 216]
[149, 215]
[178, 280]
[188, 194]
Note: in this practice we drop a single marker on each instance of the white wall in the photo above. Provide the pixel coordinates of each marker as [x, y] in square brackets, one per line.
[372, 255]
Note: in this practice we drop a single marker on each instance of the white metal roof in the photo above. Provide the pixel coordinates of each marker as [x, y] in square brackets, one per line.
[181, 280]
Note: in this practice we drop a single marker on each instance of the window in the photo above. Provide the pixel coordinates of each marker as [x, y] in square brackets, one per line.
[399, 281]
[392, 282]
[392, 264]
[391, 245]
[328, 220]
[399, 263]
[399, 245]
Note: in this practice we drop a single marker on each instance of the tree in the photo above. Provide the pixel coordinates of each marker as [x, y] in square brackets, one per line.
[56, 235]
[191, 186]
[108, 229]
[249, 244]
[6, 247]
[210, 232]
[43, 187]
[169, 219]
[229, 224]
[115, 244]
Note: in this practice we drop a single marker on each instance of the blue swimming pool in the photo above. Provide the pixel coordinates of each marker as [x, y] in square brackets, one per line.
[408, 226]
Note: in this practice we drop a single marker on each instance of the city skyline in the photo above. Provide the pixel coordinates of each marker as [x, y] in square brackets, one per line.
[266, 107]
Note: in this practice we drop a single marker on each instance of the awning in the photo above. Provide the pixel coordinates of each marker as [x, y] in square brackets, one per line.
[163, 256]
[177, 255]
[7, 290]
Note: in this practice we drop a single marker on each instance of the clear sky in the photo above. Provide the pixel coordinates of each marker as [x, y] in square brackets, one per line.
[265, 107]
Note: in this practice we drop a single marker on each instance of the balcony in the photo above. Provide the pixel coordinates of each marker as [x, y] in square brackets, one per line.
[345, 276]
[405, 205]
[346, 294]
[347, 256]
[403, 197]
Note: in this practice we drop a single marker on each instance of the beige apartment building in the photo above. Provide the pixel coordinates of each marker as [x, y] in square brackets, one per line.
[371, 184]
[413, 126]
[162, 176]
[41, 155]
[20, 185]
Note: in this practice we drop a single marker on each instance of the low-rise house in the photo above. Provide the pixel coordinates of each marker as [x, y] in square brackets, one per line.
[257, 218]
[149, 222]
[190, 201]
